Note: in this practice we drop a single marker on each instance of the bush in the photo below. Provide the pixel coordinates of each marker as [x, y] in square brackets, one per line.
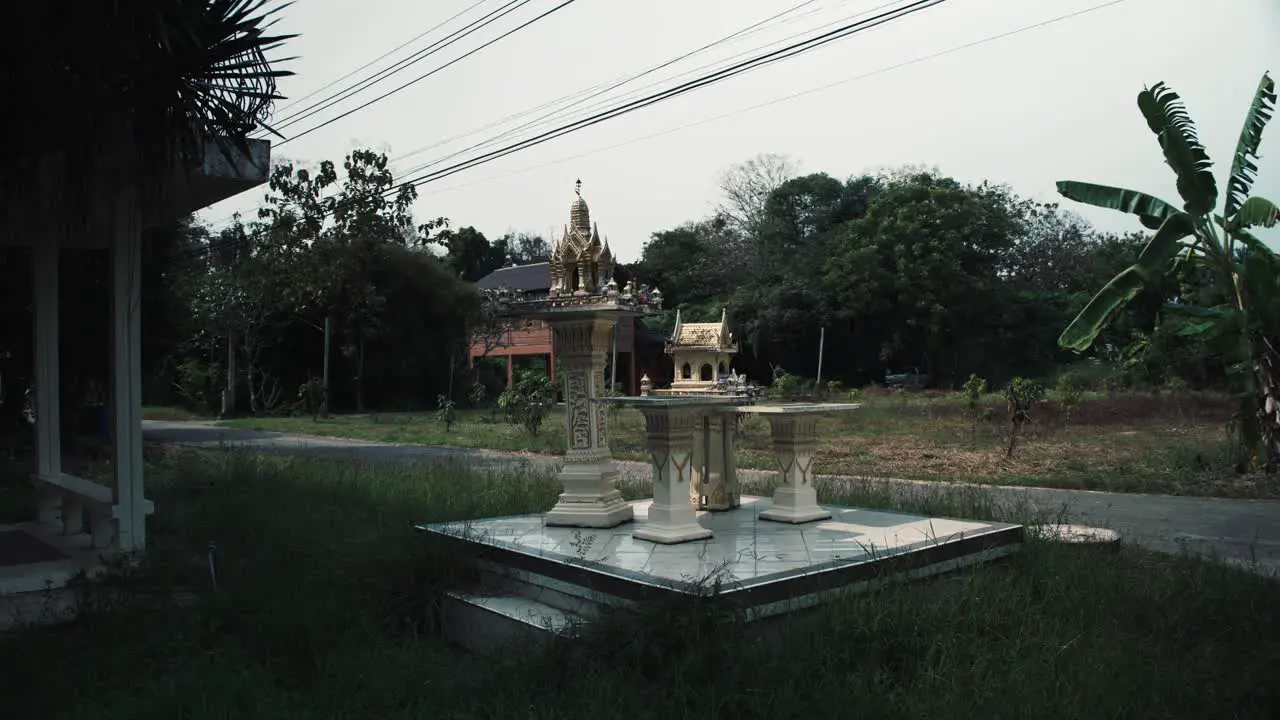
[445, 411]
[1071, 389]
[973, 389]
[529, 400]
[478, 395]
[787, 386]
[1022, 395]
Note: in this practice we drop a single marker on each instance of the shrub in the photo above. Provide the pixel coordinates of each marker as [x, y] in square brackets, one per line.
[973, 390]
[478, 394]
[1022, 395]
[445, 411]
[527, 402]
[787, 386]
[1071, 389]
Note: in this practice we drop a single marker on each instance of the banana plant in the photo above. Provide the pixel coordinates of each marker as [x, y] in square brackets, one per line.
[1242, 268]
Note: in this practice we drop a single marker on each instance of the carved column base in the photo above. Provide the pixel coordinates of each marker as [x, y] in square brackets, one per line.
[795, 505]
[590, 498]
[671, 534]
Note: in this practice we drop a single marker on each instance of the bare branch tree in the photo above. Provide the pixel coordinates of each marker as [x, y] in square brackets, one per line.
[491, 325]
[746, 188]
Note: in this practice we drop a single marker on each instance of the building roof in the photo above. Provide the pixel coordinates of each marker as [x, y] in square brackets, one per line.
[523, 278]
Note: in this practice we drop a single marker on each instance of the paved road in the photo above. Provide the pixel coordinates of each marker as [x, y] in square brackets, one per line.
[1237, 530]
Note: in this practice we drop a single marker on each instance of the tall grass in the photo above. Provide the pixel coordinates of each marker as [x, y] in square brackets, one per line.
[323, 599]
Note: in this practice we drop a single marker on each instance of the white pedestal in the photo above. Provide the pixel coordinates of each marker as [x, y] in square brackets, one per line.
[669, 433]
[590, 498]
[590, 478]
[794, 436]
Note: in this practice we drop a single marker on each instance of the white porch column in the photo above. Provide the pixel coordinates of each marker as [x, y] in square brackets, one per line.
[131, 507]
[48, 429]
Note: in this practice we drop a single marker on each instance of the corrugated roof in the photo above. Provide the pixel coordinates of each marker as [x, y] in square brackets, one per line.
[524, 278]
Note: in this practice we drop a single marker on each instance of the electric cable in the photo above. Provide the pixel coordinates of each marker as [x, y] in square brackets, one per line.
[298, 101]
[426, 75]
[433, 48]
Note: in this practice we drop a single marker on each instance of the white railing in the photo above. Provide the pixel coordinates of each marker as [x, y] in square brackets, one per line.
[65, 504]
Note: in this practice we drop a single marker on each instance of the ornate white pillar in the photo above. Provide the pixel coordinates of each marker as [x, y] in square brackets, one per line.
[590, 497]
[795, 500]
[131, 507]
[669, 433]
[44, 287]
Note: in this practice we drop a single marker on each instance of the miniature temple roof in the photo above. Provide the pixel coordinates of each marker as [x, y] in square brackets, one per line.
[703, 336]
[581, 261]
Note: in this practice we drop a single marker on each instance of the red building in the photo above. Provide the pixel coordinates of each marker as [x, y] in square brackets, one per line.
[638, 349]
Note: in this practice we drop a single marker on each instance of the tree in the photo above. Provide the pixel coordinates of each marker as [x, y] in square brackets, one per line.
[469, 254]
[1244, 270]
[746, 188]
[368, 214]
[921, 271]
[525, 248]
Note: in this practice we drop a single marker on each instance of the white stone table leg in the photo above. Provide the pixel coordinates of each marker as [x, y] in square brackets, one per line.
[669, 434]
[720, 484]
[699, 477]
[795, 501]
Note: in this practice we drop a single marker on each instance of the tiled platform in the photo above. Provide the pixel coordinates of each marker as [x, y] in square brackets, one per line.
[763, 564]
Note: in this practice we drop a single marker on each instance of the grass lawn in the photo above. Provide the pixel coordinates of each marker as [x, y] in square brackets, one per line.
[1127, 443]
[324, 595]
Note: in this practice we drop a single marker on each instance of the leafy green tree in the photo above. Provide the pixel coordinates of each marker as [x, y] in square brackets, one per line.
[524, 248]
[348, 233]
[921, 272]
[469, 254]
[1244, 270]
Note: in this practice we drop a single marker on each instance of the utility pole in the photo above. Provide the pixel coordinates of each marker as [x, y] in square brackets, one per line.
[822, 339]
[325, 380]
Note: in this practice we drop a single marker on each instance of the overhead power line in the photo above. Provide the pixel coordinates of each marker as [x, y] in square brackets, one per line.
[709, 79]
[428, 74]
[298, 101]
[790, 96]
[601, 88]
[561, 116]
[419, 56]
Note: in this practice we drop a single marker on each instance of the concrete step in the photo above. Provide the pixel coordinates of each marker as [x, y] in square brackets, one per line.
[490, 623]
[565, 596]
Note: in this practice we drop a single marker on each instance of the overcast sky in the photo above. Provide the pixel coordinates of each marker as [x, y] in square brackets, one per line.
[1050, 103]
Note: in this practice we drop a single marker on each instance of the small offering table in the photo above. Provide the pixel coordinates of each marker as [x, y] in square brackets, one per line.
[794, 430]
[670, 423]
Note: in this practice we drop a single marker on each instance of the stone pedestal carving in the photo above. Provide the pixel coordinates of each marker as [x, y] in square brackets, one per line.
[669, 432]
[794, 430]
[589, 476]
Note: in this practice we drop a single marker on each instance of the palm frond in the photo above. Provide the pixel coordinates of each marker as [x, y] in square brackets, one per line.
[1168, 118]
